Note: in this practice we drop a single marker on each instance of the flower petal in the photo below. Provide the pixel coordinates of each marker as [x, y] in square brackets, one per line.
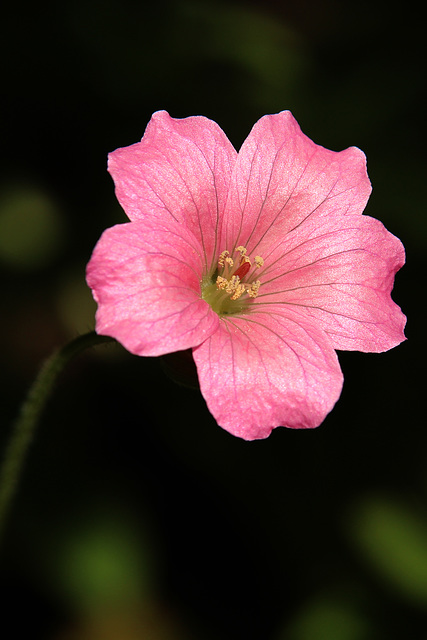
[267, 370]
[145, 278]
[180, 171]
[340, 274]
[282, 178]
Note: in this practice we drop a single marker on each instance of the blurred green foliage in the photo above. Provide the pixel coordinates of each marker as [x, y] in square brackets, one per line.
[31, 228]
[393, 540]
[329, 618]
[100, 566]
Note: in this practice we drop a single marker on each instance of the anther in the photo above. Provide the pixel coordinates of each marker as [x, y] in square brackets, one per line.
[222, 258]
[253, 289]
[221, 282]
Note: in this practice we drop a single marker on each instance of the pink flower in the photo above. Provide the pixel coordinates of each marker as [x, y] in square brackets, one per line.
[261, 261]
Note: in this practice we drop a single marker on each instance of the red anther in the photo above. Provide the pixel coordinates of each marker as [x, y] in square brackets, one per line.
[242, 270]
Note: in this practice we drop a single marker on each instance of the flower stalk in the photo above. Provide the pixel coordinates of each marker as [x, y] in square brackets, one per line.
[23, 429]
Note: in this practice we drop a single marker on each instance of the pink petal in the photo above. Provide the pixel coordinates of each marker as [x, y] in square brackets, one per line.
[180, 171]
[266, 370]
[339, 273]
[145, 278]
[282, 178]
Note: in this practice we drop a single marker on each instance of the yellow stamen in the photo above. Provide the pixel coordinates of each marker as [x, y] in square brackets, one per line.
[221, 282]
[222, 257]
[253, 289]
[232, 284]
[240, 290]
[235, 288]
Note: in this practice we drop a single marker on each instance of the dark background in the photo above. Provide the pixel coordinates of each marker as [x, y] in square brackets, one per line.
[137, 516]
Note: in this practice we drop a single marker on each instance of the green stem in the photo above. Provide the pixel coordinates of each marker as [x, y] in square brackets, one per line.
[24, 427]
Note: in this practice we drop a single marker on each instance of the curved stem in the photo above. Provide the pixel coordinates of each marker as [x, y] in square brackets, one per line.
[24, 427]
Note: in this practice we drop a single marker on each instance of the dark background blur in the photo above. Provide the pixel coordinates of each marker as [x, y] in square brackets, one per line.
[138, 517]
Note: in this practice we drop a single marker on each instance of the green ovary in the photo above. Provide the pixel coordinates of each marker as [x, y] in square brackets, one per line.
[220, 300]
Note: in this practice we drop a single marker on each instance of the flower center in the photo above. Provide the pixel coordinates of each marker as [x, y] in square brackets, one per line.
[232, 286]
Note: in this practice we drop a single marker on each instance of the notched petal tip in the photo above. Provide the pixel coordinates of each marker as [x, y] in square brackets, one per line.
[179, 171]
[268, 370]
